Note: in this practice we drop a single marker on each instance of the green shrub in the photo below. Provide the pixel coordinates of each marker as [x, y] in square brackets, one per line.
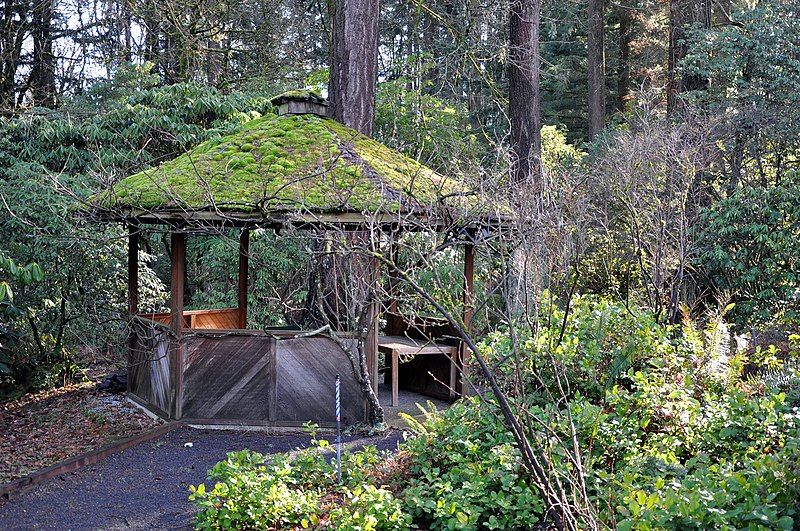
[749, 249]
[670, 436]
[369, 508]
[466, 473]
[252, 491]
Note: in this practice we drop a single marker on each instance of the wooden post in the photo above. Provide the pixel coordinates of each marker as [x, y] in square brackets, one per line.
[394, 323]
[468, 294]
[133, 293]
[133, 269]
[373, 277]
[178, 244]
[244, 255]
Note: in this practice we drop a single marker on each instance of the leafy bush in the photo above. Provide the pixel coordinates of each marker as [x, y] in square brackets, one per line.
[117, 127]
[671, 436]
[369, 508]
[252, 491]
[465, 473]
[750, 248]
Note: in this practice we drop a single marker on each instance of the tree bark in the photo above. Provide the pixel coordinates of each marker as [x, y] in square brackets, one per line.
[683, 14]
[14, 21]
[596, 61]
[523, 92]
[625, 40]
[42, 81]
[354, 64]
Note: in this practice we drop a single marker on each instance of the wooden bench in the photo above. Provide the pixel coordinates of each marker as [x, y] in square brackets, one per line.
[396, 346]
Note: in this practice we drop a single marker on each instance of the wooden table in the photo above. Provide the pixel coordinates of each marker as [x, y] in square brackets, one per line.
[395, 346]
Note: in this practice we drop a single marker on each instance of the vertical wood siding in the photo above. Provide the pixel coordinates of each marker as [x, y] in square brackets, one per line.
[230, 378]
[148, 364]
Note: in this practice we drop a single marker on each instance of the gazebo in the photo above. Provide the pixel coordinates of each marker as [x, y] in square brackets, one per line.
[298, 169]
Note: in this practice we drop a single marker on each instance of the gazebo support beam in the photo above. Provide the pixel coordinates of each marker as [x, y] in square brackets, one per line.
[133, 290]
[468, 293]
[244, 255]
[394, 323]
[373, 315]
[133, 269]
[178, 252]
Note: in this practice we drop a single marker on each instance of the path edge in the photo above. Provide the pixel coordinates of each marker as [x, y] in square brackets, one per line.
[23, 484]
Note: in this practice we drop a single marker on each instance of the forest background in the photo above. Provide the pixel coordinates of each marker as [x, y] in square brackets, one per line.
[666, 210]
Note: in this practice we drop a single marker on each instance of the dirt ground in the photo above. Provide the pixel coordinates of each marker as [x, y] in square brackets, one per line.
[41, 429]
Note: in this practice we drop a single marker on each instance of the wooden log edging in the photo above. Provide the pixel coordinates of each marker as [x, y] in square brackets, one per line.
[22, 485]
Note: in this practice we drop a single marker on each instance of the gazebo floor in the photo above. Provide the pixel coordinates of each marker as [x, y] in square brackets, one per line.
[407, 403]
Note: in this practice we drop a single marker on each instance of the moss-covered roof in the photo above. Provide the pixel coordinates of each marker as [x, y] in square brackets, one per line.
[286, 163]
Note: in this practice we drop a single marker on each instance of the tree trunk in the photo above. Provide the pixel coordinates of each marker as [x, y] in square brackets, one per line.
[624, 74]
[13, 30]
[683, 14]
[346, 281]
[431, 74]
[523, 92]
[354, 64]
[42, 80]
[596, 61]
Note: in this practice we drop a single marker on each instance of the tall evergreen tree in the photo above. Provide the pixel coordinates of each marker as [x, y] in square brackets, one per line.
[354, 63]
[596, 61]
[524, 110]
[684, 15]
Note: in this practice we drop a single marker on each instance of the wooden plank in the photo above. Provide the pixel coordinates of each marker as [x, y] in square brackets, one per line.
[229, 377]
[133, 289]
[244, 254]
[178, 248]
[395, 373]
[149, 369]
[411, 347]
[373, 316]
[306, 372]
[133, 269]
[468, 311]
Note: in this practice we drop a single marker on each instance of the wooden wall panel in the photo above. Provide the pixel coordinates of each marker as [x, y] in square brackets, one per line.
[214, 319]
[306, 373]
[229, 377]
[148, 365]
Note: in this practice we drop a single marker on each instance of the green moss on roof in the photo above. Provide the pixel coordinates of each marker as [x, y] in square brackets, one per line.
[280, 163]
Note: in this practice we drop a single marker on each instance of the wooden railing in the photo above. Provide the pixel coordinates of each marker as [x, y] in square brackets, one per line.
[225, 319]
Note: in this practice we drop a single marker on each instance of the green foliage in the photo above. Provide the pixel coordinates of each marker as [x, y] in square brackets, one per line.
[425, 127]
[755, 90]
[749, 247]
[601, 340]
[369, 508]
[300, 490]
[465, 473]
[11, 276]
[671, 436]
[47, 159]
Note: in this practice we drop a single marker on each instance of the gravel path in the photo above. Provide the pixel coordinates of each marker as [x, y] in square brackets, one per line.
[144, 487]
